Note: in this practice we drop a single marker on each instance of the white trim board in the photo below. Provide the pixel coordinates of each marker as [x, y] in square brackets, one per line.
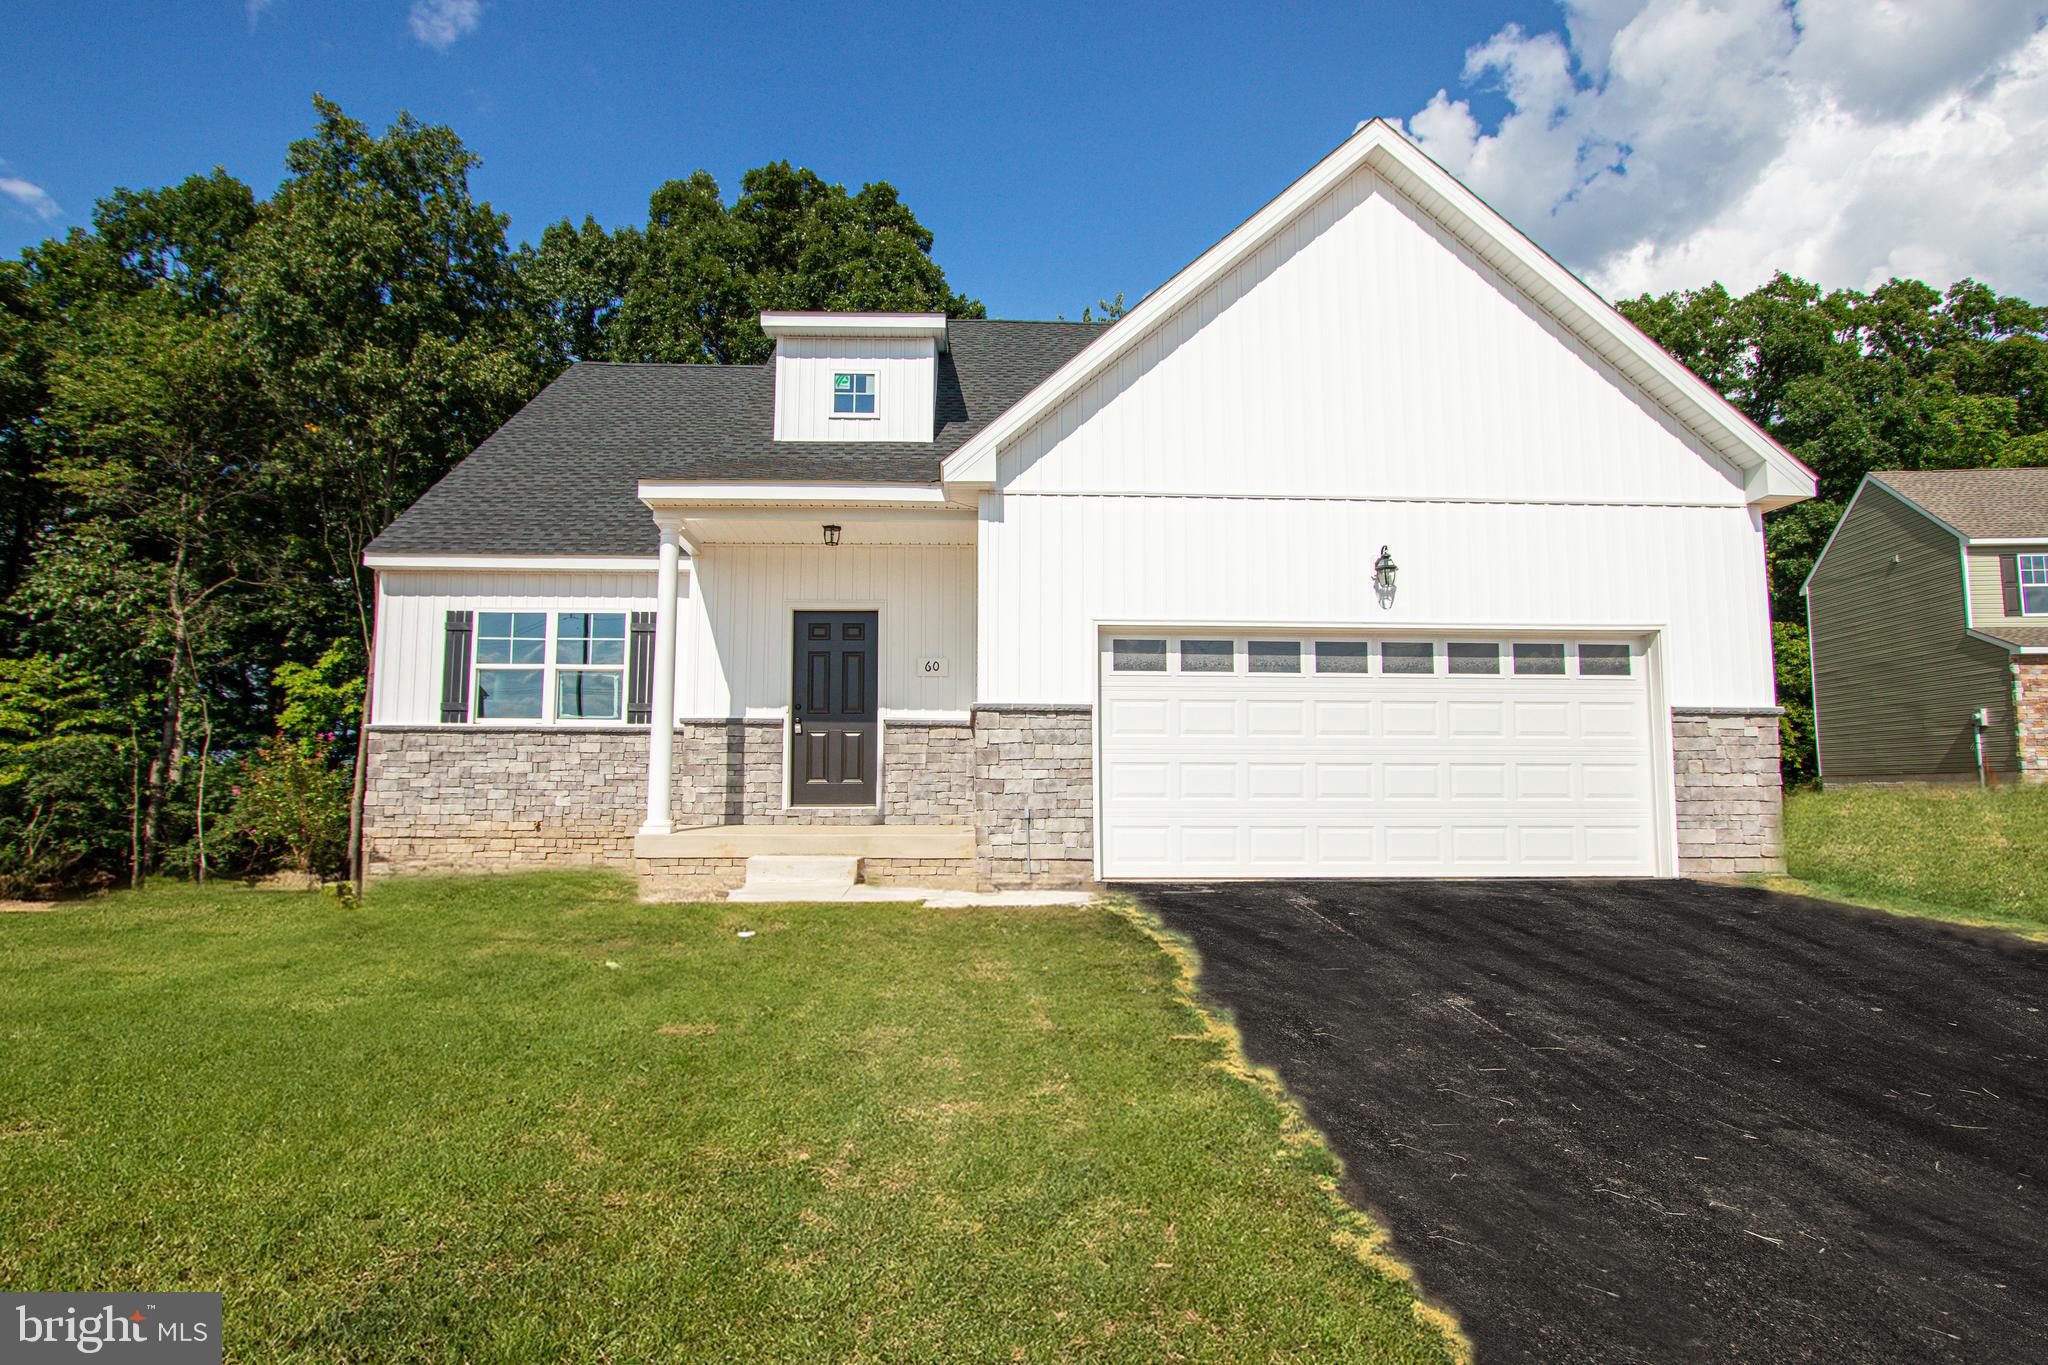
[1773, 478]
[517, 563]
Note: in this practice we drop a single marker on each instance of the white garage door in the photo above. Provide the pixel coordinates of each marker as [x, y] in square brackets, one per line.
[1305, 756]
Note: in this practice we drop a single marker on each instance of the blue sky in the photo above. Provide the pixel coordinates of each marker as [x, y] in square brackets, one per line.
[1059, 154]
[1063, 153]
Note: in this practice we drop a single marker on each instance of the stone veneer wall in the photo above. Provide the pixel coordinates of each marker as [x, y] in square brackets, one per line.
[461, 799]
[1729, 793]
[470, 798]
[1039, 759]
[2030, 697]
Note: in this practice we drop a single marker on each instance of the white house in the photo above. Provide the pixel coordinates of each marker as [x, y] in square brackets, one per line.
[1372, 544]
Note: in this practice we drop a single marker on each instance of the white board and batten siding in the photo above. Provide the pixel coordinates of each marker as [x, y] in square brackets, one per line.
[734, 620]
[1364, 380]
[412, 617]
[906, 375]
[736, 625]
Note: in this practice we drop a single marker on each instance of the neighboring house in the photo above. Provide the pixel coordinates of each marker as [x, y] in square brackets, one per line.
[1928, 606]
[989, 603]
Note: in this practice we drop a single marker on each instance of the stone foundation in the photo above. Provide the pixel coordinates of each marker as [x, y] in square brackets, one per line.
[668, 880]
[1040, 761]
[937, 874]
[482, 798]
[1730, 801]
[2030, 704]
[472, 799]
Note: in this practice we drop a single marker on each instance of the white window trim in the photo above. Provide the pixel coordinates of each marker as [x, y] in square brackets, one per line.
[2040, 564]
[874, 392]
[549, 669]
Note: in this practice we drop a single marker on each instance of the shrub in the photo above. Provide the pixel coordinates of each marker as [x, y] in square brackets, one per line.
[294, 804]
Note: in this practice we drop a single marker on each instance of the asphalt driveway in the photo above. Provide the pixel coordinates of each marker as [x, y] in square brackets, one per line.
[1663, 1120]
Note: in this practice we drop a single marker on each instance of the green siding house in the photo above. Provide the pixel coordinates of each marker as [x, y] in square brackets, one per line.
[1928, 612]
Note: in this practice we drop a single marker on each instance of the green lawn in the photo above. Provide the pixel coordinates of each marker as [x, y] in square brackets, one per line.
[1949, 852]
[528, 1119]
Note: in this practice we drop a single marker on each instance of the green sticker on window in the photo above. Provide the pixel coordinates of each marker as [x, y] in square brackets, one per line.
[842, 383]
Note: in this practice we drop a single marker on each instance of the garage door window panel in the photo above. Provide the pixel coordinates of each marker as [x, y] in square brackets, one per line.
[1539, 660]
[1603, 661]
[1342, 656]
[1274, 656]
[1408, 656]
[1208, 656]
[1473, 658]
[1138, 656]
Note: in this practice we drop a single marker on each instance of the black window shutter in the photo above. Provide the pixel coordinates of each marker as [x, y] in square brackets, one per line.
[455, 669]
[640, 670]
[2009, 582]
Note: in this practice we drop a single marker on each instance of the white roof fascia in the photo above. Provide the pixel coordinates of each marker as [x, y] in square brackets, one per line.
[516, 563]
[717, 492]
[1773, 477]
[790, 324]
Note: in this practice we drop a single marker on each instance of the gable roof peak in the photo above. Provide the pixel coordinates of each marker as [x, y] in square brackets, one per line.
[1772, 477]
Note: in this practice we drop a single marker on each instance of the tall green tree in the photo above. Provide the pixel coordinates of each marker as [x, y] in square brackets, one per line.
[167, 428]
[690, 285]
[378, 294]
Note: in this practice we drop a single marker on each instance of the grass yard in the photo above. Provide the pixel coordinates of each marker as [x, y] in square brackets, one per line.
[527, 1119]
[1948, 852]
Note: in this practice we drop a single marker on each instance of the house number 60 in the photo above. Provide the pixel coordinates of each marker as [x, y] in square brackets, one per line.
[931, 668]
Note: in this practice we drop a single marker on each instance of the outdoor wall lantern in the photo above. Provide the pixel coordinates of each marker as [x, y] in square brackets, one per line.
[831, 535]
[1383, 571]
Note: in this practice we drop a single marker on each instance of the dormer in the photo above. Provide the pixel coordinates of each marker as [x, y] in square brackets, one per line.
[855, 376]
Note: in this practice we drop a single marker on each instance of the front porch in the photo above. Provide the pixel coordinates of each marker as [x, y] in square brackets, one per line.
[711, 861]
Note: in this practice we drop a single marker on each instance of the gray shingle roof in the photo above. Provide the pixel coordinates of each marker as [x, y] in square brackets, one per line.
[1981, 503]
[2020, 637]
[560, 477]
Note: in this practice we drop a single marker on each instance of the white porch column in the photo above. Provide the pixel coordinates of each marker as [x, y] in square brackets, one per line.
[661, 729]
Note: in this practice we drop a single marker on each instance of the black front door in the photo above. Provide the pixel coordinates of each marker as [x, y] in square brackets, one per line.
[832, 710]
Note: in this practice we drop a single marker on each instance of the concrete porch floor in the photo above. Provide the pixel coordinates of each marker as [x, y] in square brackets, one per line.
[824, 864]
[810, 841]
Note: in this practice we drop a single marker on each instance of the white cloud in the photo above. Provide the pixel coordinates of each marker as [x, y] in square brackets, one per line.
[28, 195]
[1663, 144]
[438, 23]
[252, 10]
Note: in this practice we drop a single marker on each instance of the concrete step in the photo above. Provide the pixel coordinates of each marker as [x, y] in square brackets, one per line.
[788, 878]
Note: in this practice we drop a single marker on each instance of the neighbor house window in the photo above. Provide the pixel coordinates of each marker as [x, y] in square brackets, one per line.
[853, 395]
[1605, 661]
[590, 664]
[511, 664]
[2033, 585]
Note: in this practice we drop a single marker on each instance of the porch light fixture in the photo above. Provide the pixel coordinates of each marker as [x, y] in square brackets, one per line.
[1383, 571]
[831, 535]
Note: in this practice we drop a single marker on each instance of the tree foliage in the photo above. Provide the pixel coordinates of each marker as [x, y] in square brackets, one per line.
[690, 285]
[211, 402]
[1902, 377]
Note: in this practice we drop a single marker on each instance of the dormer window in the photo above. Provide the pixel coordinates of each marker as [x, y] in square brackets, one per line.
[853, 394]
